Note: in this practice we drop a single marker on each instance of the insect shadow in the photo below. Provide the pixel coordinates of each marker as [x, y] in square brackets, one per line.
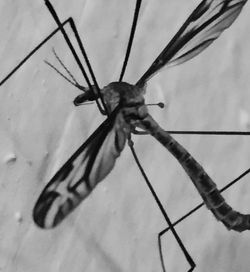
[127, 114]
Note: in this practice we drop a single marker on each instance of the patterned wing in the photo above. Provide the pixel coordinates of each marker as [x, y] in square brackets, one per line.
[202, 27]
[90, 164]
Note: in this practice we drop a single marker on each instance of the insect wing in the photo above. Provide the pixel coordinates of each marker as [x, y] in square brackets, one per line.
[203, 26]
[90, 164]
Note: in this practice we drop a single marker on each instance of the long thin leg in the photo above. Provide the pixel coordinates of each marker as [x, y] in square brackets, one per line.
[59, 28]
[202, 204]
[184, 250]
[69, 20]
[208, 132]
[160, 252]
[171, 227]
[57, 20]
[73, 26]
[200, 132]
[197, 132]
[32, 53]
[160, 234]
[131, 38]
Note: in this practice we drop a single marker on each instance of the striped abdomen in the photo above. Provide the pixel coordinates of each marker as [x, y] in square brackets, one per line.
[204, 184]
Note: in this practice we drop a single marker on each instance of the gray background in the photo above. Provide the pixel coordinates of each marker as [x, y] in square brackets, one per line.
[116, 228]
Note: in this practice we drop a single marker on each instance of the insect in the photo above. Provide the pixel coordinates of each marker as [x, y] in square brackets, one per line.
[124, 105]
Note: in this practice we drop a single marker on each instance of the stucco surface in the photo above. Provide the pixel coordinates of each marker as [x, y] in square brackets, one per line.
[116, 228]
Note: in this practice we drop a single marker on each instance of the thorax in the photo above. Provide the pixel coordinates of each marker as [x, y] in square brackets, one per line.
[130, 99]
[123, 94]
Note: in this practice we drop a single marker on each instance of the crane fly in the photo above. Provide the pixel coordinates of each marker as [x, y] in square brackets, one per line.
[127, 114]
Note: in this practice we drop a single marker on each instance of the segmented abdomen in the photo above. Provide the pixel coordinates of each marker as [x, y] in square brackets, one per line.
[204, 184]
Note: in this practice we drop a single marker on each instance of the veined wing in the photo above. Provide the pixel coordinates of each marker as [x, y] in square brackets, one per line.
[90, 164]
[203, 26]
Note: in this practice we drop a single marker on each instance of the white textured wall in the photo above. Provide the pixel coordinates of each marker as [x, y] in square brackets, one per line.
[116, 228]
